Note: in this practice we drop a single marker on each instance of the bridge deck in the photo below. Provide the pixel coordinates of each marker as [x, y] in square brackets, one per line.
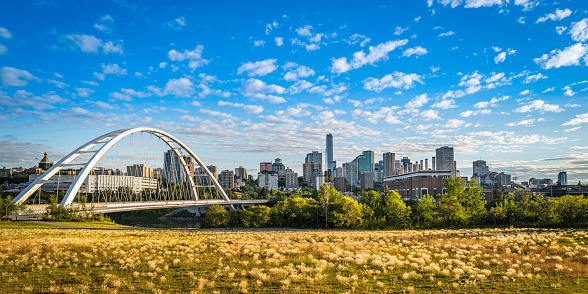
[128, 206]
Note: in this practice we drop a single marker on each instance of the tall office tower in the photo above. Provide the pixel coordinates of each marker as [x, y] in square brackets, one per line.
[481, 171]
[445, 159]
[331, 164]
[240, 173]
[315, 157]
[172, 167]
[351, 174]
[227, 179]
[291, 179]
[310, 171]
[279, 168]
[265, 166]
[562, 177]
[389, 164]
[365, 163]
[213, 170]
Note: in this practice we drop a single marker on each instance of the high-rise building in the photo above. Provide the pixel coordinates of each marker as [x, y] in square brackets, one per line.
[562, 178]
[367, 180]
[379, 171]
[351, 173]
[331, 164]
[310, 171]
[240, 173]
[481, 172]
[136, 170]
[365, 163]
[389, 164]
[315, 157]
[172, 167]
[279, 168]
[213, 170]
[227, 179]
[445, 159]
[268, 180]
[265, 166]
[291, 179]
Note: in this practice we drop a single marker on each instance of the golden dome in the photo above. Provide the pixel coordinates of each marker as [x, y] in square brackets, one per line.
[45, 159]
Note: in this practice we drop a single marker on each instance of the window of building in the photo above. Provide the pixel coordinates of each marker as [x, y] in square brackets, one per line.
[424, 191]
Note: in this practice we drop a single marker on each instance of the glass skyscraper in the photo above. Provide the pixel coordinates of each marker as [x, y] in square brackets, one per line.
[331, 164]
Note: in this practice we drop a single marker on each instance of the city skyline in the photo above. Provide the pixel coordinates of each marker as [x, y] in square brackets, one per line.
[243, 85]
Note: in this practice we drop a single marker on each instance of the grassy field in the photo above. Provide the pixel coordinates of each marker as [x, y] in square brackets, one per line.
[48, 259]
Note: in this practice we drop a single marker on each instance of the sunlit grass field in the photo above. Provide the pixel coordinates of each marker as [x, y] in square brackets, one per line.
[48, 259]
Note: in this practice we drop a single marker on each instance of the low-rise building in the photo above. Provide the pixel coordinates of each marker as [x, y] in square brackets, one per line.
[414, 185]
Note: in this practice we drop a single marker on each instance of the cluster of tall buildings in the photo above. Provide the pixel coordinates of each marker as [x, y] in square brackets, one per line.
[271, 172]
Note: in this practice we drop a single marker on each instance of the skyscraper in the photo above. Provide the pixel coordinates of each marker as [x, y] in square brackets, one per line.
[562, 178]
[315, 157]
[172, 167]
[240, 173]
[365, 163]
[481, 171]
[445, 159]
[389, 164]
[331, 164]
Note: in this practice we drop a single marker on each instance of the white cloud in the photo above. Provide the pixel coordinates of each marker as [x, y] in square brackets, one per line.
[560, 29]
[305, 31]
[572, 129]
[481, 3]
[215, 113]
[579, 31]
[392, 80]
[524, 122]
[194, 57]
[258, 43]
[429, 114]
[456, 123]
[110, 69]
[557, 58]
[469, 113]
[181, 87]
[84, 92]
[445, 104]
[539, 105]
[501, 57]
[297, 71]
[57, 84]
[557, 15]
[355, 102]
[377, 53]
[177, 23]
[4, 33]
[399, 30]
[525, 92]
[104, 24]
[162, 64]
[256, 89]
[279, 41]
[247, 108]
[3, 49]
[258, 68]
[534, 78]
[90, 44]
[527, 4]
[357, 38]
[415, 51]
[417, 101]
[11, 76]
[579, 119]
[549, 90]
[450, 33]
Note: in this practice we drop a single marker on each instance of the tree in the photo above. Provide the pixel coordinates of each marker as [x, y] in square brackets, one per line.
[256, 216]
[496, 192]
[326, 197]
[348, 214]
[425, 210]
[373, 209]
[7, 207]
[216, 216]
[395, 210]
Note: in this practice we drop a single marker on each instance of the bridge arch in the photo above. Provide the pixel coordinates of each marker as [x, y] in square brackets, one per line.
[109, 140]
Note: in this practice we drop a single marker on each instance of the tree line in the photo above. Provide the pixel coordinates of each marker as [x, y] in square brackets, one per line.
[461, 205]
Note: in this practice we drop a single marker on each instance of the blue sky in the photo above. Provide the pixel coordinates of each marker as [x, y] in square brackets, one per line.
[504, 81]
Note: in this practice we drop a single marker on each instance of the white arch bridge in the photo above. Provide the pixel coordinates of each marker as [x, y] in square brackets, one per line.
[130, 169]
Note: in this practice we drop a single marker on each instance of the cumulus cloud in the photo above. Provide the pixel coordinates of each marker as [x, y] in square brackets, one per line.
[110, 69]
[279, 41]
[534, 78]
[579, 31]
[446, 34]
[10, 76]
[456, 123]
[579, 119]
[392, 80]
[104, 24]
[524, 122]
[557, 15]
[296, 71]
[492, 103]
[417, 101]
[481, 3]
[539, 105]
[90, 44]
[258, 43]
[357, 38]
[360, 58]
[57, 84]
[258, 68]
[445, 104]
[501, 57]
[181, 87]
[247, 108]
[469, 113]
[84, 92]
[256, 89]
[177, 23]
[194, 57]
[567, 57]
[4, 33]
[418, 51]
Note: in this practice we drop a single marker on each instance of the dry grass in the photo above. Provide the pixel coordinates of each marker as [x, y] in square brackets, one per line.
[491, 260]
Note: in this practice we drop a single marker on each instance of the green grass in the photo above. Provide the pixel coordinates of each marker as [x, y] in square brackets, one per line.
[100, 224]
